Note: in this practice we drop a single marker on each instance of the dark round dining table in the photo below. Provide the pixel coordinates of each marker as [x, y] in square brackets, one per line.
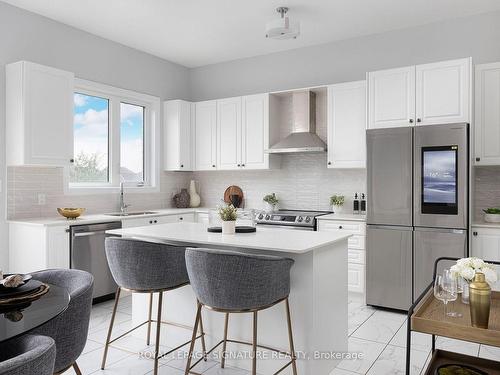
[17, 321]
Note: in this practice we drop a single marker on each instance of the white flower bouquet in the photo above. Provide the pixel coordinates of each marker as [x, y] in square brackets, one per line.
[468, 267]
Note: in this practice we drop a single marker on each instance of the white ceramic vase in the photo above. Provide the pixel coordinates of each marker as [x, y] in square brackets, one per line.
[195, 197]
[228, 227]
[269, 208]
[337, 209]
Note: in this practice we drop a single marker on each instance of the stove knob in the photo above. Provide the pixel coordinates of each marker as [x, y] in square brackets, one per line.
[300, 219]
[268, 217]
[308, 219]
[261, 216]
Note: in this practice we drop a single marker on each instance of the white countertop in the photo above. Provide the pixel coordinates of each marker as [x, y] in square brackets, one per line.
[272, 239]
[343, 217]
[101, 218]
[484, 224]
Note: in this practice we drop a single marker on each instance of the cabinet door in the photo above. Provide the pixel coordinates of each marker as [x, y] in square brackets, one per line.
[177, 135]
[356, 278]
[391, 98]
[443, 92]
[486, 245]
[39, 115]
[487, 112]
[229, 133]
[58, 247]
[255, 132]
[347, 125]
[205, 135]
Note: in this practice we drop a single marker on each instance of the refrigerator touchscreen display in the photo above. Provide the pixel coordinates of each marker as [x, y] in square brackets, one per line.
[439, 180]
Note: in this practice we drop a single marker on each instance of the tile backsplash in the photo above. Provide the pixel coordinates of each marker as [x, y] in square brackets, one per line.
[302, 182]
[487, 189]
[25, 183]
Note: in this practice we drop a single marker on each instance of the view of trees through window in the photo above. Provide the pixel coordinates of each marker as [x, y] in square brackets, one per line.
[92, 129]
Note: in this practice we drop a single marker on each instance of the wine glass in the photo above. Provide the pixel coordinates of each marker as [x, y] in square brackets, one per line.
[445, 289]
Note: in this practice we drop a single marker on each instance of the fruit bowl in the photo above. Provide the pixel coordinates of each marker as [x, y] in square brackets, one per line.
[70, 213]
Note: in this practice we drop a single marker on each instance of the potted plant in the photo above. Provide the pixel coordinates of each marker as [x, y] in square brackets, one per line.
[492, 215]
[337, 201]
[228, 214]
[271, 201]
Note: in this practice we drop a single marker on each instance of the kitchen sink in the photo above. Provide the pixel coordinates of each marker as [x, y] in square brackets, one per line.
[132, 213]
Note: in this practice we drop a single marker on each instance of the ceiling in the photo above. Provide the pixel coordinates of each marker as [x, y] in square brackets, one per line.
[201, 32]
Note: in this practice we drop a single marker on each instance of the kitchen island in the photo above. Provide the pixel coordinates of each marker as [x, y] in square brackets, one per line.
[318, 295]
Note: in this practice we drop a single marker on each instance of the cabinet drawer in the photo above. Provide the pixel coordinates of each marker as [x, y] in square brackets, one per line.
[356, 256]
[356, 242]
[351, 227]
[356, 278]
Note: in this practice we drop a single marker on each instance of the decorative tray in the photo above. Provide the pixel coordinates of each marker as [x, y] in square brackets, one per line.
[442, 357]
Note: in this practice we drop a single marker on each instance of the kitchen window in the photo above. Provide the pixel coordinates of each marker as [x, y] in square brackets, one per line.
[115, 139]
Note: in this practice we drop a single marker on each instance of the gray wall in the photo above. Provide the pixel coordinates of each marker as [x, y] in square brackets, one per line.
[27, 36]
[477, 36]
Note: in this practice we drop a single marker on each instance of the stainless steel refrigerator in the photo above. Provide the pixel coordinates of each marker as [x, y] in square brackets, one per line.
[418, 192]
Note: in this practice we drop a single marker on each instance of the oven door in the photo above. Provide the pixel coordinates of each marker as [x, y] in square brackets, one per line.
[441, 176]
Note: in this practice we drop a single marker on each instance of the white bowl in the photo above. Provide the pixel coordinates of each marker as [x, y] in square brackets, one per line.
[492, 218]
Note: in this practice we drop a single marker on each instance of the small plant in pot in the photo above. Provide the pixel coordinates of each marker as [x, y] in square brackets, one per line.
[271, 201]
[228, 214]
[492, 215]
[337, 203]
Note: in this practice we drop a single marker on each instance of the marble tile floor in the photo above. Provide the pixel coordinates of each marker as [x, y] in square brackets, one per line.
[380, 335]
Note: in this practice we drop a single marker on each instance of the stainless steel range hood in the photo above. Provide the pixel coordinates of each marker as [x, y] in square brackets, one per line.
[303, 137]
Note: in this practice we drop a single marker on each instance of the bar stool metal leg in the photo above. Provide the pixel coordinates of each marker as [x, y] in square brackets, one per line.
[158, 327]
[290, 337]
[224, 346]
[76, 369]
[202, 333]
[108, 338]
[150, 317]
[193, 338]
[254, 344]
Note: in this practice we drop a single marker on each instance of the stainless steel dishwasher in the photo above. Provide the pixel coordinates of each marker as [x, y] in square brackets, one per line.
[87, 253]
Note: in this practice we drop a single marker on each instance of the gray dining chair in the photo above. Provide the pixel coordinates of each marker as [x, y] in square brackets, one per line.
[232, 282]
[27, 355]
[146, 267]
[70, 328]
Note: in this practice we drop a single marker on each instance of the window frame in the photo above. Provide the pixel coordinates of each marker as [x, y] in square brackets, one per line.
[151, 128]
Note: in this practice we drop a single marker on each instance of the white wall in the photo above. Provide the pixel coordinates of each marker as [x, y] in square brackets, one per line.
[348, 60]
[27, 36]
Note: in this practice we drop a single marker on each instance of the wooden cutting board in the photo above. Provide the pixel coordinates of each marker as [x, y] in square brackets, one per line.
[233, 190]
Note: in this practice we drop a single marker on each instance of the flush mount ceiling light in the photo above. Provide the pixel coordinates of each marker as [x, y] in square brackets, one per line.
[284, 27]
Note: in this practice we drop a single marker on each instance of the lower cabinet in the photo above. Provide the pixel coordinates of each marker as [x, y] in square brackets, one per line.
[356, 253]
[486, 245]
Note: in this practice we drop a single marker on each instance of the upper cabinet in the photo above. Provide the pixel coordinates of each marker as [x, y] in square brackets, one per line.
[487, 113]
[205, 144]
[391, 98]
[347, 125]
[255, 132]
[426, 94]
[178, 135]
[229, 133]
[39, 115]
[443, 92]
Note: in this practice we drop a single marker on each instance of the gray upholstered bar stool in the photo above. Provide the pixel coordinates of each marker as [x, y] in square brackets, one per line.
[146, 267]
[232, 282]
[28, 355]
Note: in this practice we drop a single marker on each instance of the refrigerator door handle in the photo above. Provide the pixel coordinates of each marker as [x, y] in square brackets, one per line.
[390, 227]
[440, 230]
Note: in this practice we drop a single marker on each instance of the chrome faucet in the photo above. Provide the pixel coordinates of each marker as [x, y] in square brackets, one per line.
[123, 206]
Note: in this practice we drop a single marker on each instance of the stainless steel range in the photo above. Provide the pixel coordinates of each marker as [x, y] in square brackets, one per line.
[290, 219]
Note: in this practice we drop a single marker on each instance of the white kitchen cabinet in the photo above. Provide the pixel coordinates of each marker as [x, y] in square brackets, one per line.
[39, 115]
[356, 249]
[202, 217]
[229, 133]
[205, 135]
[487, 114]
[486, 245]
[347, 125]
[178, 136]
[37, 247]
[443, 92]
[391, 98]
[424, 94]
[255, 132]
[155, 220]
